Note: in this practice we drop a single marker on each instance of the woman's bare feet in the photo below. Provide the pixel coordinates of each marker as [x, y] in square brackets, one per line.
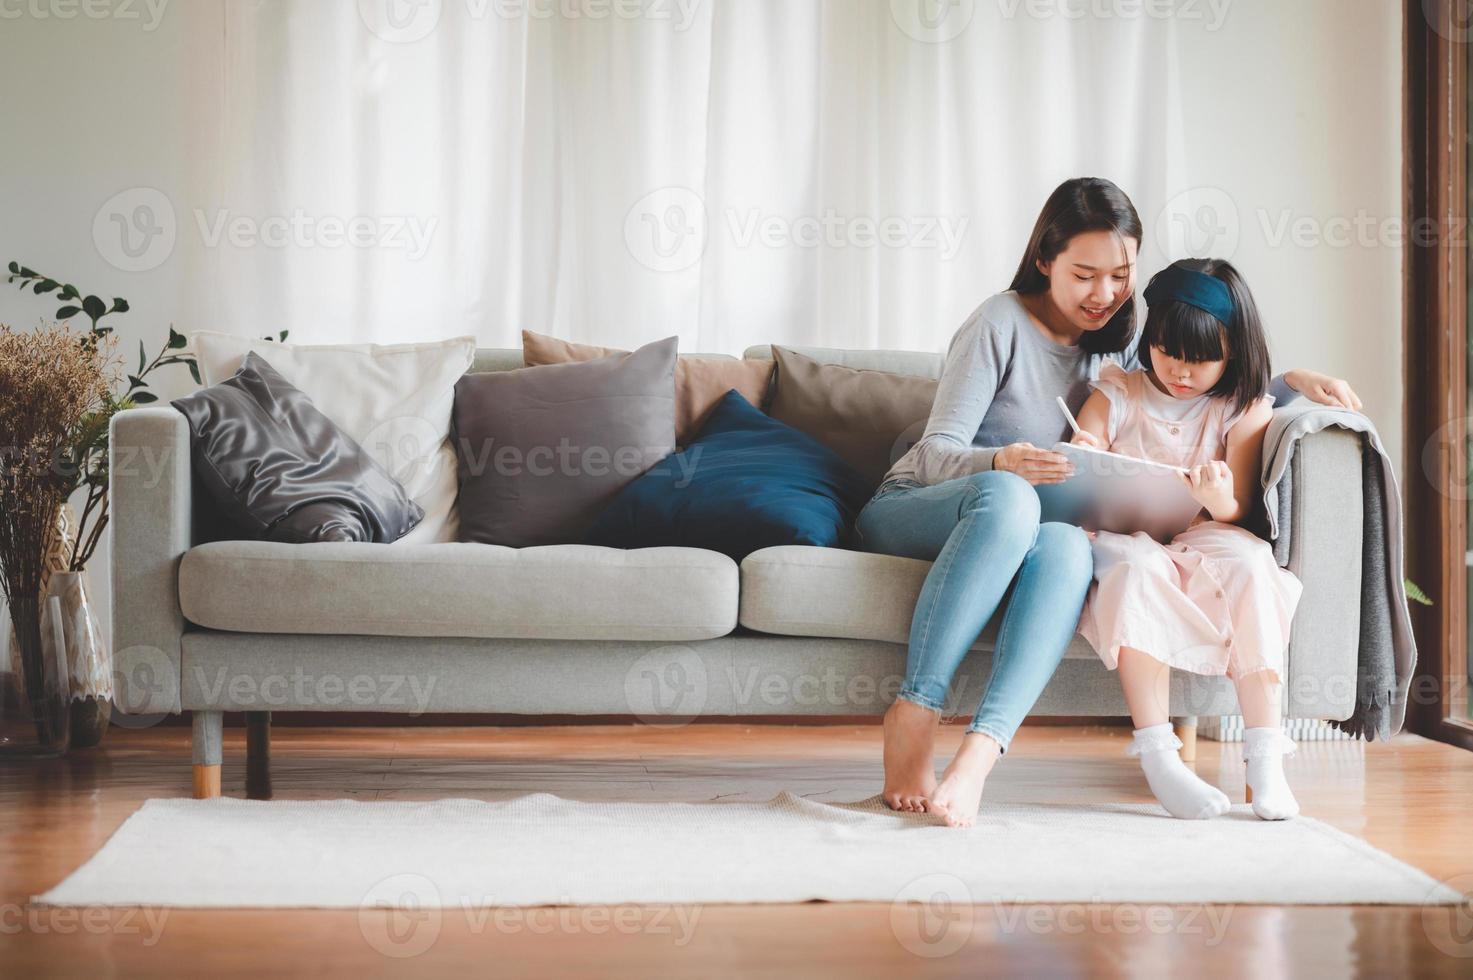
[959, 793]
[910, 767]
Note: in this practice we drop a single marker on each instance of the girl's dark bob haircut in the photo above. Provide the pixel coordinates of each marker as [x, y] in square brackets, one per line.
[1190, 334]
[1078, 206]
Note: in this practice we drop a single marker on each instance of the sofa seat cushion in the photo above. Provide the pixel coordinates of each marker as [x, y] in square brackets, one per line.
[798, 590]
[563, 592]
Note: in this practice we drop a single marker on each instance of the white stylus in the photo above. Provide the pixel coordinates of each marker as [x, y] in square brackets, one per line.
[1068, 415]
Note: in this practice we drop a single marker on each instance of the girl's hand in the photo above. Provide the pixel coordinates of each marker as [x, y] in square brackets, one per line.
[1086, 438]
[1037, 466]
[1323, 389]
[1211, 485]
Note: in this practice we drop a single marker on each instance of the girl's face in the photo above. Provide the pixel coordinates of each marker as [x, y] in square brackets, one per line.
[1092, 278]
[1185, 379]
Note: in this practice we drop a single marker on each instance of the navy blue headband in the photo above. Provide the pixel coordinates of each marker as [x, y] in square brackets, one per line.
[1175, 284]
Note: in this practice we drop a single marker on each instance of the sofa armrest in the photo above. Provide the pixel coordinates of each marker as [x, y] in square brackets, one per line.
[152, 514]
[1325, 554]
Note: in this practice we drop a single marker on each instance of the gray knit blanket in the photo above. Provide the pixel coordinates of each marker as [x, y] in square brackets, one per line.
[1388, 651]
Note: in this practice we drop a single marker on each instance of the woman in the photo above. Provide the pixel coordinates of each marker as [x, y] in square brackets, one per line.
[963, 496]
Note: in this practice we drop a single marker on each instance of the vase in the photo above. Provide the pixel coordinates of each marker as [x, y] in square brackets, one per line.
[88, 659]
[35, 719]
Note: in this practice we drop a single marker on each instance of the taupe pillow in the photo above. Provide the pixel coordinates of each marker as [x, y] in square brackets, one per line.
[700, 382]
[542, 450]
[870, 418]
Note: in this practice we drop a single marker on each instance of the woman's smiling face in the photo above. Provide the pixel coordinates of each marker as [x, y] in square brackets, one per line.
[1092, 278]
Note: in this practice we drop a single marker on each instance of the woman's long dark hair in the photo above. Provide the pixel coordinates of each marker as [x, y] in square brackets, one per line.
[1190, 334]
[1077, 206]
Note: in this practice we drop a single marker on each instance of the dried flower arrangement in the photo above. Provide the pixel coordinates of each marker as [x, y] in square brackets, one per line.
[87, 451]
[52, 382]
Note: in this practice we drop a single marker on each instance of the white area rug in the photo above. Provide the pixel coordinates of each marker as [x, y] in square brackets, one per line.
[545, 850]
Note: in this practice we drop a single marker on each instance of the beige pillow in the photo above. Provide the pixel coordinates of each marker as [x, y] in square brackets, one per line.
[700, 382]
[870, 418]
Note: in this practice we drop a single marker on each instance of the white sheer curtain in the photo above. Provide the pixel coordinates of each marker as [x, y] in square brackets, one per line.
[829, 172]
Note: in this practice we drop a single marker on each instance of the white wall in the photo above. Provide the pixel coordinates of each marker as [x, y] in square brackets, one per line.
[1294, 110]
[1285, 110]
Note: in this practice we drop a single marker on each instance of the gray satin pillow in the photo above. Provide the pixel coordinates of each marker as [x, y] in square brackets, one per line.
[280, 470]
[543, 450]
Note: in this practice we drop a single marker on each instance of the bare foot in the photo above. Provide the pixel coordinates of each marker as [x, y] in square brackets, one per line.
[910, 767]
[959, 793]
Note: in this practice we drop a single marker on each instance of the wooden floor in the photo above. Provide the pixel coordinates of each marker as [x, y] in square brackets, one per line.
[1411, 797]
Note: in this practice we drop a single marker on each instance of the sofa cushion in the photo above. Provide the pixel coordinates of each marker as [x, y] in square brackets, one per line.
[921, 364]
[564, 592]
[280, 470]
[796, 590]
[544, 449]
[393, 400]
[870, 418]
[700, 381]
[747, 482]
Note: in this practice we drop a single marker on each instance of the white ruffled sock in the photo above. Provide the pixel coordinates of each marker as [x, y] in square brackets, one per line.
[1264, 750]
[1180, 790]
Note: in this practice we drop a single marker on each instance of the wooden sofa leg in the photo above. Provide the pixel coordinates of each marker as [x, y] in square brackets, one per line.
[208, 733]
[258, 755]
[1186, 730]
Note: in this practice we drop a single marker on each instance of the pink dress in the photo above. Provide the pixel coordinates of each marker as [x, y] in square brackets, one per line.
[1213, 601]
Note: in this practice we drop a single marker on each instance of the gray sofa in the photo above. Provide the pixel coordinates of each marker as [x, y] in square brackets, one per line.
[659, 634]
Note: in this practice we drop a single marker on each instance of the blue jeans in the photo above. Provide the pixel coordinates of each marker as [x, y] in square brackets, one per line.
[983, 534]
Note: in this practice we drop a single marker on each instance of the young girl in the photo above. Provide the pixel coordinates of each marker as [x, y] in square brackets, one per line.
[1213, 601]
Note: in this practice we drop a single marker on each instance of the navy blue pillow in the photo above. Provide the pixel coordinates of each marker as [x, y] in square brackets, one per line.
[746, 482]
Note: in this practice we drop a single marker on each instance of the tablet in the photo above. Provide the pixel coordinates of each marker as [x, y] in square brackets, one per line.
[1111, 492]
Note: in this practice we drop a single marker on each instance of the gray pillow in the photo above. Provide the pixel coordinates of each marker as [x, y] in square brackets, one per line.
[543, 450]
[280, 470]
